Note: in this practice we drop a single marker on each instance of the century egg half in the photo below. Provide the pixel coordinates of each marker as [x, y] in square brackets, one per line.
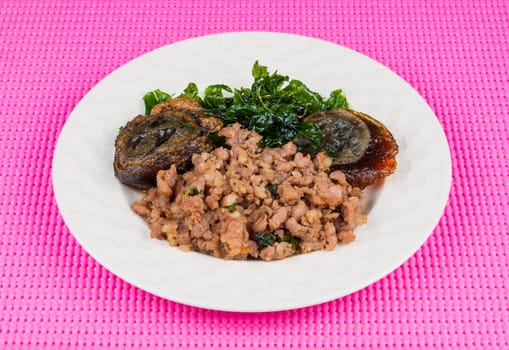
[361, 146]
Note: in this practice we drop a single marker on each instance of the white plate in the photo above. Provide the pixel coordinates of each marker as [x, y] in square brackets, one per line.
[96, 207]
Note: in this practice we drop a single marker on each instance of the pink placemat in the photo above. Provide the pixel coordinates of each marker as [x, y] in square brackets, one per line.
[452, 294]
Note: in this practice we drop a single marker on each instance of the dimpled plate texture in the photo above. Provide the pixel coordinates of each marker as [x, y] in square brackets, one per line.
[96, 207]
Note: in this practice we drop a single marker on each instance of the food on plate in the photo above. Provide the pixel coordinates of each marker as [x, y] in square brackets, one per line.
[171, 134]
[365, 149]
[264, 172]
[248, 202]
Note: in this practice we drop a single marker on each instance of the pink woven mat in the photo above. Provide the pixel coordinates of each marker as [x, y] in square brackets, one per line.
[452, 294]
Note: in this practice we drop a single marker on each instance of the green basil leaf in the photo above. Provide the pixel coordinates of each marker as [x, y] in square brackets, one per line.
[214, 99]
[336, 100]
[299, 93]
[258, 71]
[191, 91]
[154, 97]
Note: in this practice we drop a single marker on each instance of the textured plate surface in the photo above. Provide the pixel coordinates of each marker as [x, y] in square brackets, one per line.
[402, 214]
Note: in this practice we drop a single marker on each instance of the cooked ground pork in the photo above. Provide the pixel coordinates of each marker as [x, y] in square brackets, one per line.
[247, 202]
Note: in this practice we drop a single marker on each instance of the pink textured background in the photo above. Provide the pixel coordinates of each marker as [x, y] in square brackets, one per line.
[452, 294]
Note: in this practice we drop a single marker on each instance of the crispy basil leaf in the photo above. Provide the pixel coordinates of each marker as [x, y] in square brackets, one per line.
[265, 239]
[191, 91]
[336, 100]
[258, 71]
[214, 99]
[274, 106]
[152, 98]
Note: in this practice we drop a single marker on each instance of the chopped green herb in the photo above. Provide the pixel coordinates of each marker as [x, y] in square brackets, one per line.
[272, 188]
[331, 154]
[120, 129]
[265, 239]
[290, 239]
[188, 126]
[231, 208]
[218, 140]
[192, 191]
[154, 97]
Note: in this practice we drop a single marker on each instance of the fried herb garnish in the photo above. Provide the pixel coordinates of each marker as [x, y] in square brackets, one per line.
[192, 191]
[274, 106]
[265, 239]
[272, 188]
[152, 98]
